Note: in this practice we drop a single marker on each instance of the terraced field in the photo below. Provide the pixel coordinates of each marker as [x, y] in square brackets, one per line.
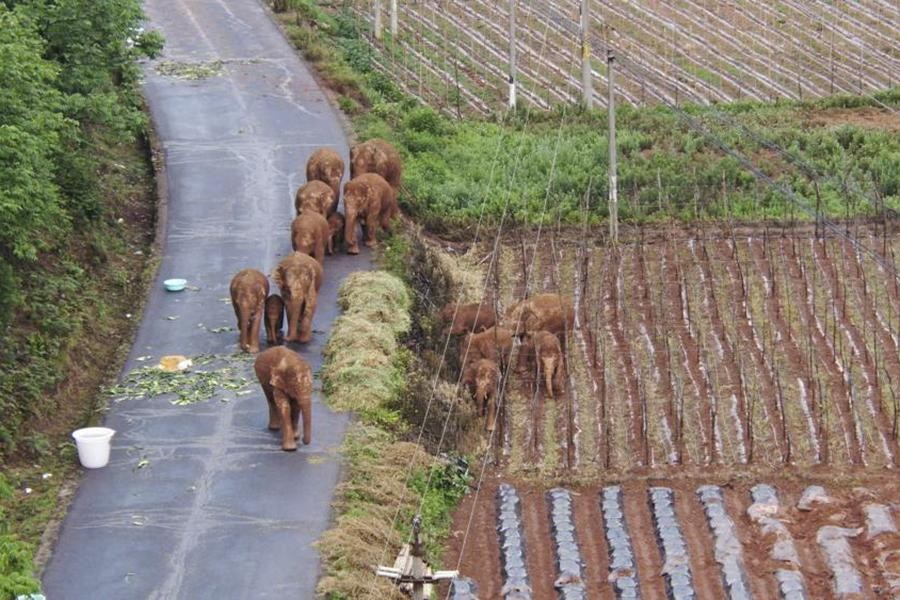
[711, 378]
[453, 54]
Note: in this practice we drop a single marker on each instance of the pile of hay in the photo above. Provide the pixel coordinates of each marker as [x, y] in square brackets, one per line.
[361, 371]
[368, 501]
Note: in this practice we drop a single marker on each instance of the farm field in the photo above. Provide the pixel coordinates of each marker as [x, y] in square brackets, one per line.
[732, 358]
[453, 55]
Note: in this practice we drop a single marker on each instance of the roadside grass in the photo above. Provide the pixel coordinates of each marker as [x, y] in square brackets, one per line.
[386, 478]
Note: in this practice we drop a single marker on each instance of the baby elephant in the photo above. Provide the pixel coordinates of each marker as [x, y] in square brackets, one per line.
[467, 318]
[336, 231]
[315, 196]
[485, 381]
[286, 380]
[548, 361]
[249, 289]
[274, 319]
[493, 344]
[327, 166]
[310, 235]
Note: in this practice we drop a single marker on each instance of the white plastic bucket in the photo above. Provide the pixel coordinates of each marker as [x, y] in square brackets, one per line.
[93, 446]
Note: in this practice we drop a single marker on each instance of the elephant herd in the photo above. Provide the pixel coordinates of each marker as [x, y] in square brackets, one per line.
[370, 201]
[541, 323]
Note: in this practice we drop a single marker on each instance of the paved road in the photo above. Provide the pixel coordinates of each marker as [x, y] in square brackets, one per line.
[220, 512]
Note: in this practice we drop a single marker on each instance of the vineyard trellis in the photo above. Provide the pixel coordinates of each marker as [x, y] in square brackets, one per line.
[792, 49]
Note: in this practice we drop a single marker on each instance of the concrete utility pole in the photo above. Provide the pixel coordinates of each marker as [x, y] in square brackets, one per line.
[393, 17]
[378, 25]
[586, 86]
[512, 54]
[613, 177]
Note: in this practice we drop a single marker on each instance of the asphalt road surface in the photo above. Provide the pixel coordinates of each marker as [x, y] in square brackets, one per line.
[218, 510]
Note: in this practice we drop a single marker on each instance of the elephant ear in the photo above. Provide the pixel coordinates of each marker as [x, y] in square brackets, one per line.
[276, 380]
[278, 276]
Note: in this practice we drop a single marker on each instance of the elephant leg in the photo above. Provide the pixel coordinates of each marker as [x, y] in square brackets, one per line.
[350, 232]
[309, 309]
[371, 228]
[274, 417]
[287, 430]
[491, 412]
[255, 323]
[293, 322]
[306, 410]
[295, 418]
[319, 252]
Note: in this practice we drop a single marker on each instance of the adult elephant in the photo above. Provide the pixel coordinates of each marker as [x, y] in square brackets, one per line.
[299, 277]
[327, 166]
[249, 289]
[286, 380]
[310, 235]
[376, 156]
[548, 312]
[371, 199]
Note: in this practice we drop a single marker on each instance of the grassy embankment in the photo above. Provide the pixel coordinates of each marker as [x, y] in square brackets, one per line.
[77, 216]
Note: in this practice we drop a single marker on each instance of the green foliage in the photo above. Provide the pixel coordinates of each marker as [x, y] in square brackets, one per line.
[68, 91]
[15, 556]
[440, 486]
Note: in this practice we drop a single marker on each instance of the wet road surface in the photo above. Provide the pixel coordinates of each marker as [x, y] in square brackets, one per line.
[218, 511]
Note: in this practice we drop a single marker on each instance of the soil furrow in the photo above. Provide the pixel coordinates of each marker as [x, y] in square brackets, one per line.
[733, 388]
[659, 361]
[624, 362]
[643, 540]
[873, 414]
[697, 415]
[821, 355]
[755, 547]
[793, 367]
[760, 444]
[699, 541]
[538, 543]
[589, 526]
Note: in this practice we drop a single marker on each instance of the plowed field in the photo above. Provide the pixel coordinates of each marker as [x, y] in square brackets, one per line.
[729, 359]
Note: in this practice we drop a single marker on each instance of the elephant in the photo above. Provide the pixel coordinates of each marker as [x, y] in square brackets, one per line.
[494, 344]
[287, 382]
[485, 383]
[466, 318]
[310, 235]
[336, 232]
[299, 277]
[315, 196]
[376, 156]
[548, 360]
[371, 198]
[274, 319]
[542, 312]
[327, 166]
[249, 289]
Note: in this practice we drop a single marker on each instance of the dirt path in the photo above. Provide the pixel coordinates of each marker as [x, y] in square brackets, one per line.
[214, 485]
